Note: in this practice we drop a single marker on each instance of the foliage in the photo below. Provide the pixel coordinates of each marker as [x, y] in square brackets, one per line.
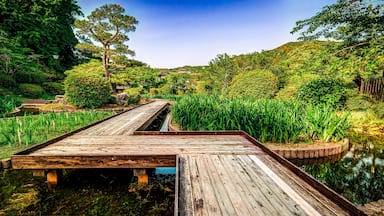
[178, 83]
[219, 73]
[145, 77]
[54, 88]
[292, 85]
[31, 90]
[360, 26]
[134, 95]
[259, 84]
[351, 21]
[6, 80]
[42, 27]
[8, 103]
[91, 67]
[30, 77]
[19, 132]
[14, 57]
[89, 90]
[321, 91]
[109, 26]
[266, 120]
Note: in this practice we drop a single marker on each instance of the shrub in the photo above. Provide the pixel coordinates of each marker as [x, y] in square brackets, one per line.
[30, 77]
[292, 85]
[378, 109]
[53, 88]
[259, 84]
[6, 81]
[153, 91]
[31, 90]
[88, 90]
[134, 95]
[323, 91]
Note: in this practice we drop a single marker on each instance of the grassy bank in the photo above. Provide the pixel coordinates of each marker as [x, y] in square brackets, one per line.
[267, 120]
[17, 133]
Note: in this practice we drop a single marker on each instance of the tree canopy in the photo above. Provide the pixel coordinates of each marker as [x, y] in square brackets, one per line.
[109, 26]
[350, 21]
[44, 27]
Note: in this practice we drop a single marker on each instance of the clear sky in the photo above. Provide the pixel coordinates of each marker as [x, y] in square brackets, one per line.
[173, 33]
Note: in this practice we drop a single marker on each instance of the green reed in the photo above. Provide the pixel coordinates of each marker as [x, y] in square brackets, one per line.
[267, 120]
[23, 131]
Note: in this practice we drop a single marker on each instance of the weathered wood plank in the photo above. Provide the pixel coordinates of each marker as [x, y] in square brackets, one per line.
[185, 197]
[74, 162]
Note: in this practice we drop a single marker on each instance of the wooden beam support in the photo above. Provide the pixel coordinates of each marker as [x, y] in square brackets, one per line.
[81, 162]
[53, 178]
[142, 175]
[6, 164]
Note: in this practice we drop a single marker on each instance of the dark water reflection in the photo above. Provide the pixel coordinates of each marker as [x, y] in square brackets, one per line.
[359, 174]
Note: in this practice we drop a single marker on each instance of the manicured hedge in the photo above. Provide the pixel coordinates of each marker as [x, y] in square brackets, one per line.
[87, 90]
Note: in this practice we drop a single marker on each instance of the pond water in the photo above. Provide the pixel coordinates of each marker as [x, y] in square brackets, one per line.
[359, 174]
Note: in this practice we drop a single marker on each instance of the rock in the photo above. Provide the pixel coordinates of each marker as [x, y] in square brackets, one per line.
[121, 99]
[60, 99]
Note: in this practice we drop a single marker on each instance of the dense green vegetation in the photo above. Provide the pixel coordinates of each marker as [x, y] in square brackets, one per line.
[17, 133]
[36, 44]
[87, 90]
[267, 120]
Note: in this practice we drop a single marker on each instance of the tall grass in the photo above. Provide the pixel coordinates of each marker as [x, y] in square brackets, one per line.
[20, 132]
[267, 120]
[8, 104]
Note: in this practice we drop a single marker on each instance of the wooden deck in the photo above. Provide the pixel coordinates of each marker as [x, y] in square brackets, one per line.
[218, 173]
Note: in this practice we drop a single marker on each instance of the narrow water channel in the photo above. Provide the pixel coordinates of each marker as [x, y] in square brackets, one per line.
[359, 174]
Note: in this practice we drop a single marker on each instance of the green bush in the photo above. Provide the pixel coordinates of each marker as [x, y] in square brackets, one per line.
[378, 109]
[53, 88]
[88, 90]
[259, 84]
[31, 90]
[30, 77]
[7, 81]
[292, 84]
[359, 103]
[323, 91]
[134, 95]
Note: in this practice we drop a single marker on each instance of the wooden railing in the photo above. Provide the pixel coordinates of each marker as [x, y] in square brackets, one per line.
[373, 87]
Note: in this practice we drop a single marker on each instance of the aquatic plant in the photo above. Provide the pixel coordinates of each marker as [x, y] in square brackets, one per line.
[267, 120]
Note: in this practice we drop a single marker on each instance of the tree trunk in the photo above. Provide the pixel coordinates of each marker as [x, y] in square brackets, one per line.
[105, 63]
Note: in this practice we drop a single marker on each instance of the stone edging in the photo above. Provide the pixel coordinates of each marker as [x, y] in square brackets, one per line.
[310, 151]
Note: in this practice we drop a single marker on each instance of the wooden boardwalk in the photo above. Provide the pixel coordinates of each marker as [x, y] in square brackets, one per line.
[218, 173]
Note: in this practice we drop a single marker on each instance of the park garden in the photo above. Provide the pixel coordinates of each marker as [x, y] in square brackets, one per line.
[301, 92]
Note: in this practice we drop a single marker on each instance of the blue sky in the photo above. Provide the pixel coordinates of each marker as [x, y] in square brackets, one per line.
[173, 33]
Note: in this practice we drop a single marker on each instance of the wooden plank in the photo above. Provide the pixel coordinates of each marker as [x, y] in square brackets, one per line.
[198, 200]
[318, 200]
[217, 172]
[185, 197]
[330, 194]
[256, 190]
[77, 162]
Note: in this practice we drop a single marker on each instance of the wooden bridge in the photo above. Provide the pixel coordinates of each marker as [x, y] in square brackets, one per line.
[217, 173]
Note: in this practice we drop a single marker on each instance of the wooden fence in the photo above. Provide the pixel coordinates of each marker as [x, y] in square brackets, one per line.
[373, 87]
